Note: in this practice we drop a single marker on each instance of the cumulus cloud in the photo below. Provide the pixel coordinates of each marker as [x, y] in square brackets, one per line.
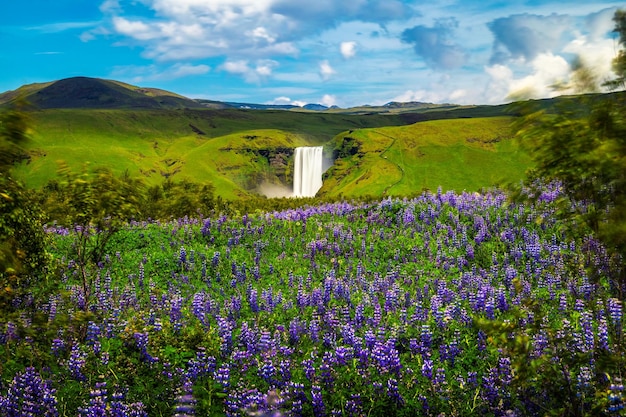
[326, 70]
[434, 44]
[348, 49]
[526, 36]
[194, 29]
[175, 29]
[315, 16]
[546, 70]
[329, 100]
[283, 101]
[533, 55]
[138, 74]
[255, 73]
[600, 23]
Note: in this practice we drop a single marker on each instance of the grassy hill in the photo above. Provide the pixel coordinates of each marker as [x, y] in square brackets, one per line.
[229, 148]
[396, 149]
[95, 93]
[458, 154]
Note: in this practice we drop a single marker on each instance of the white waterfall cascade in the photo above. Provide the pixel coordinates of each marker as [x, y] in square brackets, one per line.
[307, 175]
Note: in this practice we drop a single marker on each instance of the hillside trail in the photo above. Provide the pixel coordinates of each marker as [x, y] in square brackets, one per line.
[381, 155]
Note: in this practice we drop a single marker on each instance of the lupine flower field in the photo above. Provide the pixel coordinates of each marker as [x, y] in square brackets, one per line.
[442, 305]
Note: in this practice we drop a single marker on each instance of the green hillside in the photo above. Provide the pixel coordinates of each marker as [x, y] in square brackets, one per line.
[232, 149]
[229, 148]
[458, 154]
[395, 149]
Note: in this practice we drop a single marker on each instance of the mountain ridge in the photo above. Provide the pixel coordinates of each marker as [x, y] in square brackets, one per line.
[99, 93]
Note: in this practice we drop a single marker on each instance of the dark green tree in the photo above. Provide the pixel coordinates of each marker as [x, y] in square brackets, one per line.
[23, 256]
[619, 62]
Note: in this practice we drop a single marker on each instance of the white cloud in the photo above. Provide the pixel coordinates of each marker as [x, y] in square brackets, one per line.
[326, 70]
[262, 69]
[545, 71]
[348, 49]
[110, 6]
[262, 34]
[183, 70]
[135, 29]
[62, 26]
[283, 100]
[329, 100]
[139, 74]
[236, 67]
[596, 55]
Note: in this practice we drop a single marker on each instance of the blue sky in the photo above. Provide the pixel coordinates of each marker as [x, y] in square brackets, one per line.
[333, 52]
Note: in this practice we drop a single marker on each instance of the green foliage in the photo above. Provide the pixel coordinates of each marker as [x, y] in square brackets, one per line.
[23, 255]
[23, 252]
[619, 62]
[586, 154]
[14, 134]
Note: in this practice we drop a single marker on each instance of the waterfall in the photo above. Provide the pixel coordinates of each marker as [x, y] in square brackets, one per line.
[307, 174]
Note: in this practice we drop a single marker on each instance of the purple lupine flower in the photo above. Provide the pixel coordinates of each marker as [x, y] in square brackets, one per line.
[182, 256]
[583, 379]
[616, 398]
[225, 330]
[265, 341]
[615, 313]
[603, 335]
[11, 333]
[314, 329]
[284, 369]
[76, 362]
[328, 360]
[393, 392]
[29, 396]
[92, 337]
[319, 409]
[253, 301]
[97, 402]
[176, 312]
[185, 402]
[57, 347]
[267, 371]
[440, 377]
[201, 365]
[426, 338]
[222, 376]
[586, 323]
[309, 369]
[141, 341]
[354, 406]
[119, 408]
[427, 369]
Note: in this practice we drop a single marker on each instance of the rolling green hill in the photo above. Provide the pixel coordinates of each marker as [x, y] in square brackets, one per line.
[457, 154]
[396, 149]
[229, 148]
[96, 93]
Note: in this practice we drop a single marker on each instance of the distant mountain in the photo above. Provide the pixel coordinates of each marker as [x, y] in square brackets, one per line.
[96, 93]
[413, 105]
[316, 107]
[250, 106]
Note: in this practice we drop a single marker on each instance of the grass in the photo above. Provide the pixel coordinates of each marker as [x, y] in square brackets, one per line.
[222, 147]
[459, 154]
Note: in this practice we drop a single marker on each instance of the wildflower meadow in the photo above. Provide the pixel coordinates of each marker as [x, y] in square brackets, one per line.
[442, 305]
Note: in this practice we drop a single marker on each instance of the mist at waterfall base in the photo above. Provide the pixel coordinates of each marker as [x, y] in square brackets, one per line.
[309, 165]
